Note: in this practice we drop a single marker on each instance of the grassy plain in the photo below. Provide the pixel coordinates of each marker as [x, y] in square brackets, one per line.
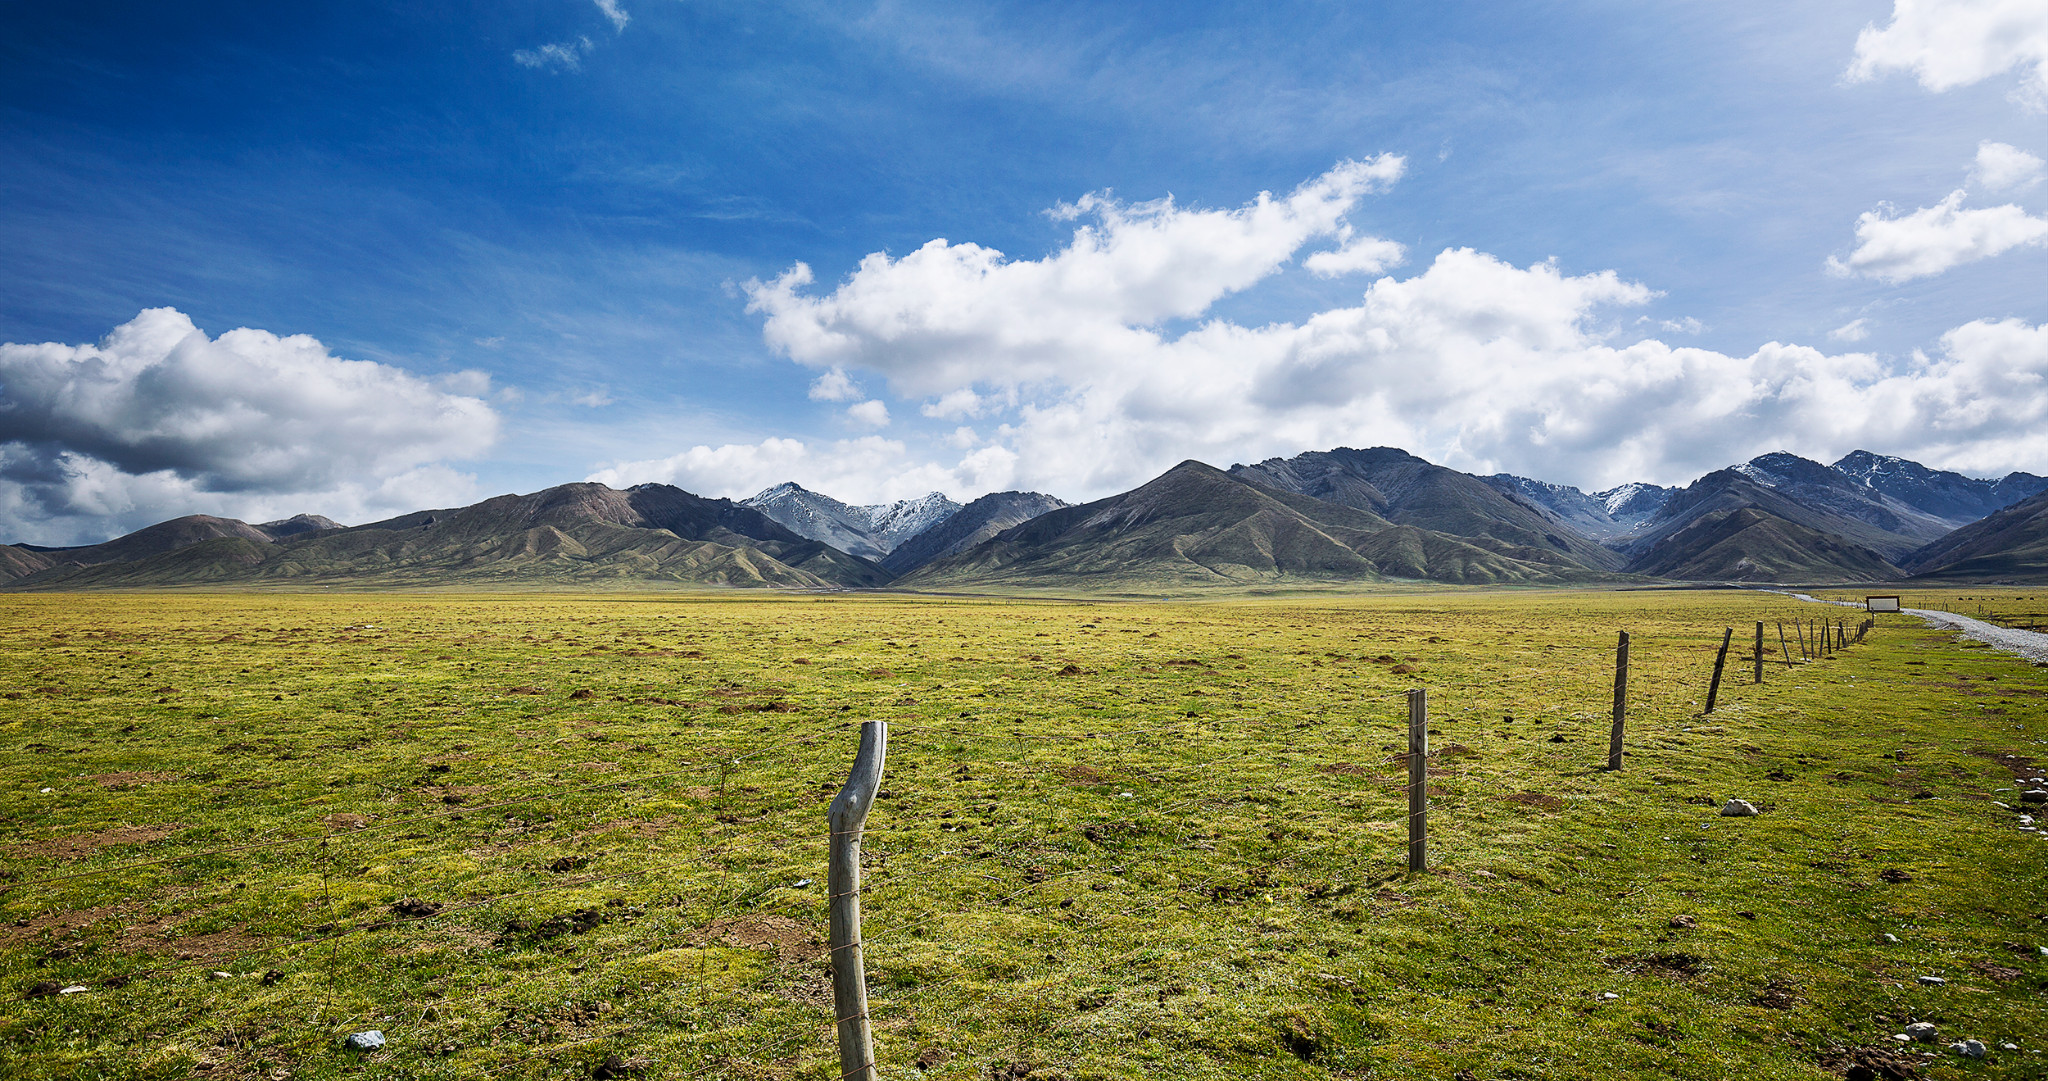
[528, 836]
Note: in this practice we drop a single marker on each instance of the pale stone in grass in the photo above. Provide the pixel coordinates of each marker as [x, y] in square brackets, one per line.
[2034, 795]
[1967, 1048]
[369, 1040]
[1738, 808]
[1932, 981]
[1920, 1030]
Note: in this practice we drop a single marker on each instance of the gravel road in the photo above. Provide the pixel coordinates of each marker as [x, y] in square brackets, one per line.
[2032, 645]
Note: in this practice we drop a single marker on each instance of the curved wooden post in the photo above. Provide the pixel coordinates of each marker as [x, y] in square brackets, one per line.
[848, 815]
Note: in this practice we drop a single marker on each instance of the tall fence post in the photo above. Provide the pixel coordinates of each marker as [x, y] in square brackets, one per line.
[1418, 780]
[1782, 647]
[1759, 651]
[1720, 662]
[1620, 701]
[848, 815]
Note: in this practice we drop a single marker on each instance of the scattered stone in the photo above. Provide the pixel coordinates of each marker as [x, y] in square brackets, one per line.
[220, 975]
[2034, 795]
[1921, 1031]
[2008, 1047]
[1932, 981]
[1891, 938]
[801, 884]
[1968, 1048]
[73, 989]
[1738, 808]
[368, 1040]
[1609, 996]
[1684, 923]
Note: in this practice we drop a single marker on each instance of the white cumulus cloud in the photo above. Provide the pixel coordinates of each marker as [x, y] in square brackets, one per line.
[160, 420]
[2005, 167]
[834, 386]
[874, 413]
[1952, 43]
[1473, 361]
[1358, 255]
[867, 470]
[1135, 267]
[1934, 238]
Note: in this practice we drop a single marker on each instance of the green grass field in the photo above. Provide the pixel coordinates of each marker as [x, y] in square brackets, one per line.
[525, 836]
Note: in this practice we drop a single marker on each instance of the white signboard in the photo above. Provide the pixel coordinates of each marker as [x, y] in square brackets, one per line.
[1881, 604]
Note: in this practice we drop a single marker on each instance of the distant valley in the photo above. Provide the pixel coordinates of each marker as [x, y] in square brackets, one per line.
[1317, 520]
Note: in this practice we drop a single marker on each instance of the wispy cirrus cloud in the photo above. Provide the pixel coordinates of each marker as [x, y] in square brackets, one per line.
[614, 12]
[556, 56]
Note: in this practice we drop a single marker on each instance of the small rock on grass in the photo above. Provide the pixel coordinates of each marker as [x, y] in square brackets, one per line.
[367, 1040]
[1932, 981]
[2034, 795]
[1738, 808]
[1921, 1031]
[1684, 923]
[1968, 1048]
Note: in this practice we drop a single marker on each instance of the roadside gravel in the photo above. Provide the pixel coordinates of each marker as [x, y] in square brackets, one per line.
[2032, 645]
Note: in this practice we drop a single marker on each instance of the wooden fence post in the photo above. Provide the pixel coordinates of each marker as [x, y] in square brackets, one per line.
[1759, 651]
[1620, 701]
[848, 815]
[1720, 661]
[1782, 647]
[1418, 779]
[1799, 627]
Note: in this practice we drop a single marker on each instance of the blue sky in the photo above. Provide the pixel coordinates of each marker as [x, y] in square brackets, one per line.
[537, 223]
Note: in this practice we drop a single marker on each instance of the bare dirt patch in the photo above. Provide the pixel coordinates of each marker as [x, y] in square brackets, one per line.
[132, 778]
[345, 821]
[1084, 774]
[79, 845]
[790, 940]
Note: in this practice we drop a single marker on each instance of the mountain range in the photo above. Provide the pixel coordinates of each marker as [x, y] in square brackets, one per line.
[1316, 520]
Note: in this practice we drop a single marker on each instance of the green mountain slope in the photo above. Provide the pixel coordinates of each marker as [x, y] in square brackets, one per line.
[574, 534]
[2008, 545]
[1749, 545]
[1407, 490]
[1199, 526]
